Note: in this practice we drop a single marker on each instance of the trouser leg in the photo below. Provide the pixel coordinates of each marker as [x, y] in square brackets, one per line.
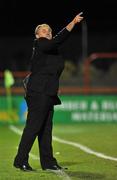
[37, 111]
[45, 142]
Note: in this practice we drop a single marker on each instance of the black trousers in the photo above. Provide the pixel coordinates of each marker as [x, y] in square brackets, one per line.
[39, 124]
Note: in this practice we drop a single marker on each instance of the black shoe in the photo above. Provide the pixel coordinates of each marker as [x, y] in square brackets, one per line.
[54, 167]
[63, 168]
[24, 167]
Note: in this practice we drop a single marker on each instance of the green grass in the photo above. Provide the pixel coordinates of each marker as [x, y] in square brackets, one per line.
[81, 165]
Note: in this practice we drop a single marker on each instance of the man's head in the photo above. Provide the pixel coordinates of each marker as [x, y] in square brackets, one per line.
[43, 30]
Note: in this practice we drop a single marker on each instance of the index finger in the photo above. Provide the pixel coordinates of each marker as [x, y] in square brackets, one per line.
[80, 13]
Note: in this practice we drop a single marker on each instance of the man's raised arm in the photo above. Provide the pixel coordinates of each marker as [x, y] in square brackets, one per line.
[76, 20]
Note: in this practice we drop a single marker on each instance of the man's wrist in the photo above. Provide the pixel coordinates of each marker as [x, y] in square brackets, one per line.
[74, 21]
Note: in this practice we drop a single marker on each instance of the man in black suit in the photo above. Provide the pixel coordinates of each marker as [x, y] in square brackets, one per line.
[41, 96]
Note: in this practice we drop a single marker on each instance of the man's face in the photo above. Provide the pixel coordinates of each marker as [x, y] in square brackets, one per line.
[45, 32]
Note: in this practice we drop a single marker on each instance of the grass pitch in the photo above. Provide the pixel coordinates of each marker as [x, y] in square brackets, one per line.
[82, 165]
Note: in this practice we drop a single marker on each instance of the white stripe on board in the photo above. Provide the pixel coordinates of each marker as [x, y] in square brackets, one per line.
[80, 146]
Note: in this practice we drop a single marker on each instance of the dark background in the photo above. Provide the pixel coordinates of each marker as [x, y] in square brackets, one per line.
[18, 20]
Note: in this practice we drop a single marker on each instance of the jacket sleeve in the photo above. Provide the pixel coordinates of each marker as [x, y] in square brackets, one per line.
[46, 45]
[61, 36]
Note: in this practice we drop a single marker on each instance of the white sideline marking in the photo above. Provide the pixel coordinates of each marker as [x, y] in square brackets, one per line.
[80, 146]
[84, 148]
[34, 157]
[59, 173]
[19, 132]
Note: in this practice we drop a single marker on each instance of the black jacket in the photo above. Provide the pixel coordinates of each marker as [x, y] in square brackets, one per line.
[47, 64]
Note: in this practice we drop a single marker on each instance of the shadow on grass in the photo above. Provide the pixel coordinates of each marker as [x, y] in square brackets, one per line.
[85, 175]
[68, 163]
[79, 174]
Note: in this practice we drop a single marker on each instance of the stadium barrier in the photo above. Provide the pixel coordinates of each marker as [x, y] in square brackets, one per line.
[89, 103]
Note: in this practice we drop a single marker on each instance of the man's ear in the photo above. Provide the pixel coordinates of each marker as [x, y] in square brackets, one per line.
[37, 36]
